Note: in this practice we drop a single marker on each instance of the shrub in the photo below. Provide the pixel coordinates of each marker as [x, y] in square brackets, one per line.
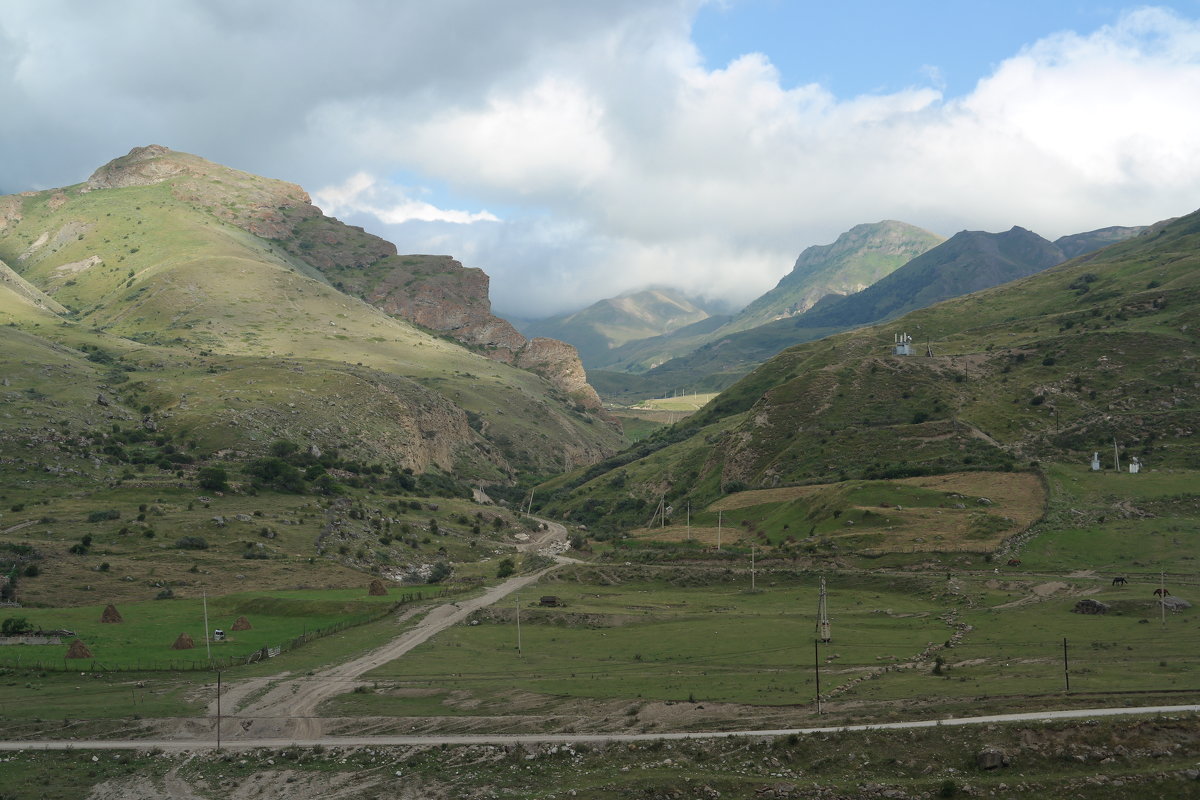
[191, 543]
[506, 568]
[441, 571]
[101, 516]
[15, 626]
[215, 479]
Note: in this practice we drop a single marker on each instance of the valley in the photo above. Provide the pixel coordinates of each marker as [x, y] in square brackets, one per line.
[222, 409]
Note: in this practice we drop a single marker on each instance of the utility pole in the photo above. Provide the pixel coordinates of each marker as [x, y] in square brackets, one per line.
[1066, 665]
[817, 670]
[207, 643]
[1116, 456]
[218, 709]
[1162, 596]
[518, 604]
[823, 632]
[752, 587]
[689, 520]
[718, 531]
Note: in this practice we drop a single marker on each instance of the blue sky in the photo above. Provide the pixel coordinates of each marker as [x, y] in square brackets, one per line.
[871, 46]
[575, 150]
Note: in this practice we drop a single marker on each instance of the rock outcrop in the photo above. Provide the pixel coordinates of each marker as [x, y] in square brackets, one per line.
[435, 292]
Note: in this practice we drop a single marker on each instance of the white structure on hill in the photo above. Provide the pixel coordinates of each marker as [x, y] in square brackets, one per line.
[903, 345]
[1095, 462]
[1135, 466]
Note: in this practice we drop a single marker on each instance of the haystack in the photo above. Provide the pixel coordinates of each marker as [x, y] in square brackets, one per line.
[241, 624]
[111, 614]
[78, 650]
[377, 589]
[184, 642]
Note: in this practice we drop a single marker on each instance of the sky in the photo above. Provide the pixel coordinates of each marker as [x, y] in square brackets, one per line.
[575, 149]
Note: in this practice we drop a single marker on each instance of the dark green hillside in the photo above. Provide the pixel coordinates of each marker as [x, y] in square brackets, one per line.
[1050, 367]
[859, 258]
[968, 262]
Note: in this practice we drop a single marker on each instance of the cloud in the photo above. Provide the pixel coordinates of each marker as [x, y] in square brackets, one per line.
[613, 154]
[363, 194]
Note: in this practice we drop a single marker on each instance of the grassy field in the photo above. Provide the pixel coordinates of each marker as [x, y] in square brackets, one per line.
[144, 639]
[652, 640]
[683, 402]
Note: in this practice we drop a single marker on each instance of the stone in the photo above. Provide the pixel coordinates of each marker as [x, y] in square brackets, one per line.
[991, 758]
[1090, 606]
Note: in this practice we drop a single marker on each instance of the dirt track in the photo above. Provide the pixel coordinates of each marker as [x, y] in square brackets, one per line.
[288, 707]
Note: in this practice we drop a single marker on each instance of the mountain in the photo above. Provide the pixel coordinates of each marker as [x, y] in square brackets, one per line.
[172, 311]
[1049, 367]
[607, 324]
[967, 262]
[857, 259]
[1078, 244]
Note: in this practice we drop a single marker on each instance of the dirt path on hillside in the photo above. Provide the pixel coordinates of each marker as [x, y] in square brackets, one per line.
[288, 706]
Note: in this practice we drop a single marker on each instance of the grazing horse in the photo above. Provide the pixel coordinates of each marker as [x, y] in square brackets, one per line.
[1119, 581]
[1161, 593]
[1014, 562]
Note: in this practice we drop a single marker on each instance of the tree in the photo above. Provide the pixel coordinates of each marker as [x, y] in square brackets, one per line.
[215, 479]
[15, 626]
[441, 571]
[506, 568]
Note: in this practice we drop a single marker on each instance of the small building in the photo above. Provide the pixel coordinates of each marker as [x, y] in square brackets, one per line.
[902, 345]
[1135, 466]
[1095, 462]
[218, 635]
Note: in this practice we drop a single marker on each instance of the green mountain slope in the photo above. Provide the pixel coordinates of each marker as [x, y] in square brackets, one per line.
[1049, 367]
[602, 327]
[967, 262]
[201, 316]
[857, 259]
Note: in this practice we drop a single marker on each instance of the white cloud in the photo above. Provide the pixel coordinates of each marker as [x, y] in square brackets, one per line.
[616, 157]
[391, 205]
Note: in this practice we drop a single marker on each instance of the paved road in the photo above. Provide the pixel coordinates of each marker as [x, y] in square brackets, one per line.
[574, 738]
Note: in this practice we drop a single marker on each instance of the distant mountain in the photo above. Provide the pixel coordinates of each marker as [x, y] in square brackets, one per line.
[1078, 244]
[1046, 368]
[610, 323]
[967, 262]
[857, 259]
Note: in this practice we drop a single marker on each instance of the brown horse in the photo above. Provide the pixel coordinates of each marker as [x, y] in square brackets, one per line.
[1161, 593]
[1014, 562]
[1119, 581]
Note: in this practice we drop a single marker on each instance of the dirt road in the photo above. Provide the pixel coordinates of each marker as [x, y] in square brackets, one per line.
[288, 707]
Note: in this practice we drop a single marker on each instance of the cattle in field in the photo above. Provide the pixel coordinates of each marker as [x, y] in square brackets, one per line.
[1014, 562]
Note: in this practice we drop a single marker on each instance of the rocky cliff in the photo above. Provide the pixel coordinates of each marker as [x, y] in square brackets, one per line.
[435, 292]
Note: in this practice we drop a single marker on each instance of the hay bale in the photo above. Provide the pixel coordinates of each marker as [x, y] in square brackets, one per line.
[240, 624]
[377, 589]
[184, 642]
[111, 614]
[78, 650]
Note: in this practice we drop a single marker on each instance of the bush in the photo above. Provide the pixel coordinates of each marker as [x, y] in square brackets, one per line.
[165, 594]
[506, 568]
[441, 571]
[215, 479]
[101, 516]
[15, 626]
[191, 543]
[32, 571]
